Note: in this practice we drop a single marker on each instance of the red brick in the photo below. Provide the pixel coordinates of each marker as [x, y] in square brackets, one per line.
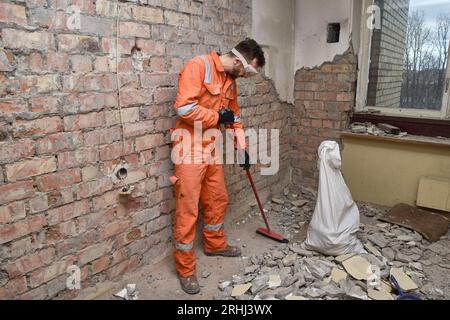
[57, 61]
[102, 136]
[78, 158]
[48, 273]
[325, 96]
[11, 13]
[100, 264]
[345, 96]
[59, 142]
[17, 39]
[316, 123]
[138, 128]
[68, 212]
[151, 47]
[135, 97]
[44, 105]
[165, 95]
[94, 252]
[149, 141]
[304, 95]
[114, 228]
[83, 121]
[30, 262]
[158, 64]
[6, 61]
[13, 288]
[16, 191]
[21, 228]
[12, 106]
[12, 151]
[115, 150]
[327, 124]
[12, 212]
[24, 128]
[124, 45]
[127, 114]
[73, 43]
[163, 125]
[92, 188]
[39, 204]
[29, 168]
[97, 101]
[105, 200]
[132, 29]
[81, 63]
[58, 180]
[124, 267]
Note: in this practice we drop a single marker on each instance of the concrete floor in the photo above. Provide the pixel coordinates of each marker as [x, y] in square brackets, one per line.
[159, 281]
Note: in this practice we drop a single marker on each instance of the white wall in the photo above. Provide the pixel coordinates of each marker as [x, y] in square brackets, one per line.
[273, 28]
[311, 20]
[294, 35]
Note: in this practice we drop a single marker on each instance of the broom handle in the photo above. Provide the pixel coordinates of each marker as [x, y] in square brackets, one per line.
[257, 199]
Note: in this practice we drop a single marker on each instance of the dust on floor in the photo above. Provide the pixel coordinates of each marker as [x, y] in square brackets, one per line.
[391, 247]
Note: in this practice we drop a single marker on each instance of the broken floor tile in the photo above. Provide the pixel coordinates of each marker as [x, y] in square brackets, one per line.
[379, 294]
[403, 280]
[378, 240]
[289, 260]
[314, 292]
[299, 203]
[357, 267]
[224, 284]
[344, 257]
[274, 280]
[388, 253]
[337, 275]
[372, 249]
[277, 200]
[240, 289]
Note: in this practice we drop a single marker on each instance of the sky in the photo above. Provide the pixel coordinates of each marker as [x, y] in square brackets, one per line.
[431, 9]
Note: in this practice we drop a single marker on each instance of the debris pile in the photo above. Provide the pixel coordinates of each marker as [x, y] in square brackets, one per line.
[290, 272]
[381, 129]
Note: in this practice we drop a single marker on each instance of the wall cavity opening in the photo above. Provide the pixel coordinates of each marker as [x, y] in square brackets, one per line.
[333, 32]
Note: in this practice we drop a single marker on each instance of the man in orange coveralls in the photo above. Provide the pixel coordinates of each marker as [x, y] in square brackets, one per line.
[207, 96]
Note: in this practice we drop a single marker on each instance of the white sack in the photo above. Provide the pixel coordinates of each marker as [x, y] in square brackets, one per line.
[335, 221]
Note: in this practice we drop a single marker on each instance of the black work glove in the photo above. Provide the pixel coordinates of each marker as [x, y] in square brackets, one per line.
[244, 163]
[226, 116]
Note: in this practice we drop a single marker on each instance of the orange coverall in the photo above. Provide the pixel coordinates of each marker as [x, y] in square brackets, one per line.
[203, 89]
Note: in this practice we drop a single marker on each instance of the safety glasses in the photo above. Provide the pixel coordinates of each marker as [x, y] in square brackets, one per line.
[249, 69]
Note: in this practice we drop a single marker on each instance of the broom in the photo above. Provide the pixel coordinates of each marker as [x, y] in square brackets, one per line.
[264, 231]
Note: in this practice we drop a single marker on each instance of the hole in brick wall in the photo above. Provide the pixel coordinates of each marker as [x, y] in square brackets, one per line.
[122, 173]
[333, 32]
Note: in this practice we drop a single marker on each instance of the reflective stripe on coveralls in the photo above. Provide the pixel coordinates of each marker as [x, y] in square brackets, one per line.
[184, 110]
[184, 247]
[213, 227]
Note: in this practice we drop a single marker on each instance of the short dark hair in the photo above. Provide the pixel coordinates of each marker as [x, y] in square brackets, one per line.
[250, 49]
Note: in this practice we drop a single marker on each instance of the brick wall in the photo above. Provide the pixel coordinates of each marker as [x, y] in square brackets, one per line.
[324, 98]
[61, 138]
[387, 54]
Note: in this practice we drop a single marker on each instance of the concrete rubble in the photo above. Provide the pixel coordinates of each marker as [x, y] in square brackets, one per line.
[290, 272]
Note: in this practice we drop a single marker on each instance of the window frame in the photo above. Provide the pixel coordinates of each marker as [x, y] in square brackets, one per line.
[363, 80]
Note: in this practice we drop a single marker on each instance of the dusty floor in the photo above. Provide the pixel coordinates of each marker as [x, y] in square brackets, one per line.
[159, 281]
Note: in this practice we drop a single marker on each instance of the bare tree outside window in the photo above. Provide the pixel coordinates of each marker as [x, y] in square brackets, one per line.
[426, 58]
[409, 55]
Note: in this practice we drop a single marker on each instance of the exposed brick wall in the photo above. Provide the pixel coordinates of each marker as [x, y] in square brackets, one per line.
[61, 138]
[387, 54]
[324, 98]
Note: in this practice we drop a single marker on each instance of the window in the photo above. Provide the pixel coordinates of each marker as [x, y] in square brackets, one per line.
[404, 58]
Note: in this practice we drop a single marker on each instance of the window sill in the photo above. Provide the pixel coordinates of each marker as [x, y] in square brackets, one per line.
[414, 126]
[408, 139]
